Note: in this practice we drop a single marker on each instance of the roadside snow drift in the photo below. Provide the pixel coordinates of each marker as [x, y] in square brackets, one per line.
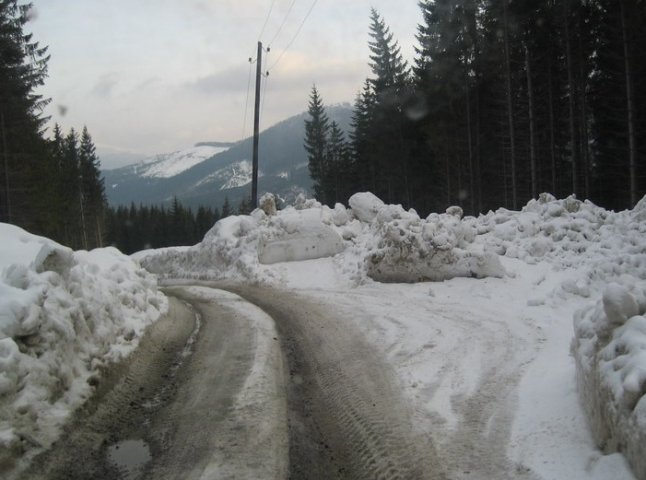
[63, 316]
[610, 352]
[368, 240]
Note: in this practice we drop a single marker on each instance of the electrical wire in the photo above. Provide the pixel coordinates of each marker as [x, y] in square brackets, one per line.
[264, 96]
[295, 35]
[283, 22]
[246, 102]
[264, 25]
[264, 87]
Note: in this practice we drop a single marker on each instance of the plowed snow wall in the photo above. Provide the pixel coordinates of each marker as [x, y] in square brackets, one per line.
[610, 352]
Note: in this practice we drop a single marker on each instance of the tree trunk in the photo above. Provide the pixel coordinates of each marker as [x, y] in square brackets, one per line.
[510, 110]
[550, 99]
[583, 122]
[532, 139]
[469, 143]
[5, 156]
[574, 144]
[630, 105]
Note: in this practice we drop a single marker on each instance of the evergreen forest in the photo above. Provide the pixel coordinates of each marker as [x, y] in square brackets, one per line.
[52, 186]
[504, 100]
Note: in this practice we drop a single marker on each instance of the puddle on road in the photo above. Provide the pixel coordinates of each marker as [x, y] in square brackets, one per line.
[130, 456]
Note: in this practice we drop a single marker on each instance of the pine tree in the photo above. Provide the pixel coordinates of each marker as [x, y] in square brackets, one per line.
[92, 190]
[23, 68]
[226, 208]
[338, 172]
[364, 168]
[70, 194]
[316, 134]
[391, 87]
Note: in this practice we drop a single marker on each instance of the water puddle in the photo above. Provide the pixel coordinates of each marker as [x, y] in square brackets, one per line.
[130, 457]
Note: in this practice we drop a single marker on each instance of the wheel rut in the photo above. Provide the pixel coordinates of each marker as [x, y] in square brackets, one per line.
[346, 417]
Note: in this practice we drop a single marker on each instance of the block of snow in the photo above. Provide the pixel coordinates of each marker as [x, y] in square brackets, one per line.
[315, 242]
[609, 347]
[365, 206]
[267, 204]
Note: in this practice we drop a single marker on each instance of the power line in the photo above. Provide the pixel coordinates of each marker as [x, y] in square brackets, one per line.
[264, 95]
[264, 25]
[295, 35]
[283, 22]
[246, 102]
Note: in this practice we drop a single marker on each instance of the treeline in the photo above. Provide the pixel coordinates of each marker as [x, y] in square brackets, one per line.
[133, 228]
[504, 100]
[51, 187]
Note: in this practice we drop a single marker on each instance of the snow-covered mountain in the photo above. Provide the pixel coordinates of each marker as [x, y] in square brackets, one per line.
[208, 173]
[168, 165]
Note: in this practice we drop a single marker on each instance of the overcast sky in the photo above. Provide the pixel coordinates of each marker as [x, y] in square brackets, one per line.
[154, 76]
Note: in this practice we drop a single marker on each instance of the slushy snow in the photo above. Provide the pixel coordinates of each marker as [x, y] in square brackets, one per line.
[64, 315]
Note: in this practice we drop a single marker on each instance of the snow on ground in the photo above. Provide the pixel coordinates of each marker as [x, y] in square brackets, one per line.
[63, 316]
[487, 361]
[392, 245]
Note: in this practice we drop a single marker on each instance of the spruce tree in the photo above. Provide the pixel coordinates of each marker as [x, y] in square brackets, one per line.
[226, 208]
[92, 190]
[23, 151]
[364, 169]
[338, 172]
[391, 87]
[316, 134]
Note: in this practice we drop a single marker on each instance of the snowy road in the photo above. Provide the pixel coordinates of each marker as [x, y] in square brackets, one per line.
[211, 394]
[347, 417]
[202, 397]
[247, 382]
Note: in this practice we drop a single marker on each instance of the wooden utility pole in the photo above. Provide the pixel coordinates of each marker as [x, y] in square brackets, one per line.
[256, 127]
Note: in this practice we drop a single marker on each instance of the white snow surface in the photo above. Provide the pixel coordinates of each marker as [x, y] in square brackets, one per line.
[488, 362]
[392, 245]
[171, 164]
[63, 316]
[235, 175]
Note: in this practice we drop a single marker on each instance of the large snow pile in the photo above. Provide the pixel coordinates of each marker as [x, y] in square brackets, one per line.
[370, 239]
[602, 254]
[610, 352]
[63, 316]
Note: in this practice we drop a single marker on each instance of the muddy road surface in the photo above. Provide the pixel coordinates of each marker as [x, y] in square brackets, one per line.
[245, 383]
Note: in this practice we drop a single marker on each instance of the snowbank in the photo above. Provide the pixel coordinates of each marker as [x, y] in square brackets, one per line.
[570, 234]
[410, 249]
[610, 351]
[63, 316]
[369, 240]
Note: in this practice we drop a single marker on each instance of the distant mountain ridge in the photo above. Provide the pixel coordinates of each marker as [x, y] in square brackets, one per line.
[215, 144]
[212, 171]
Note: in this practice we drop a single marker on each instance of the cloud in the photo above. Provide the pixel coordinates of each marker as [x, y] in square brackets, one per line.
[104, 87]
[295, 70]
[232, 79]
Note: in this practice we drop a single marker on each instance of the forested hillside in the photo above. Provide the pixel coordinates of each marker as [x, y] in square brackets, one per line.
[504, 100]
[49, 186]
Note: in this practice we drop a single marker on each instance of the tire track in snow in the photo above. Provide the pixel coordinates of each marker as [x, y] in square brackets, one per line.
[347, 419]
